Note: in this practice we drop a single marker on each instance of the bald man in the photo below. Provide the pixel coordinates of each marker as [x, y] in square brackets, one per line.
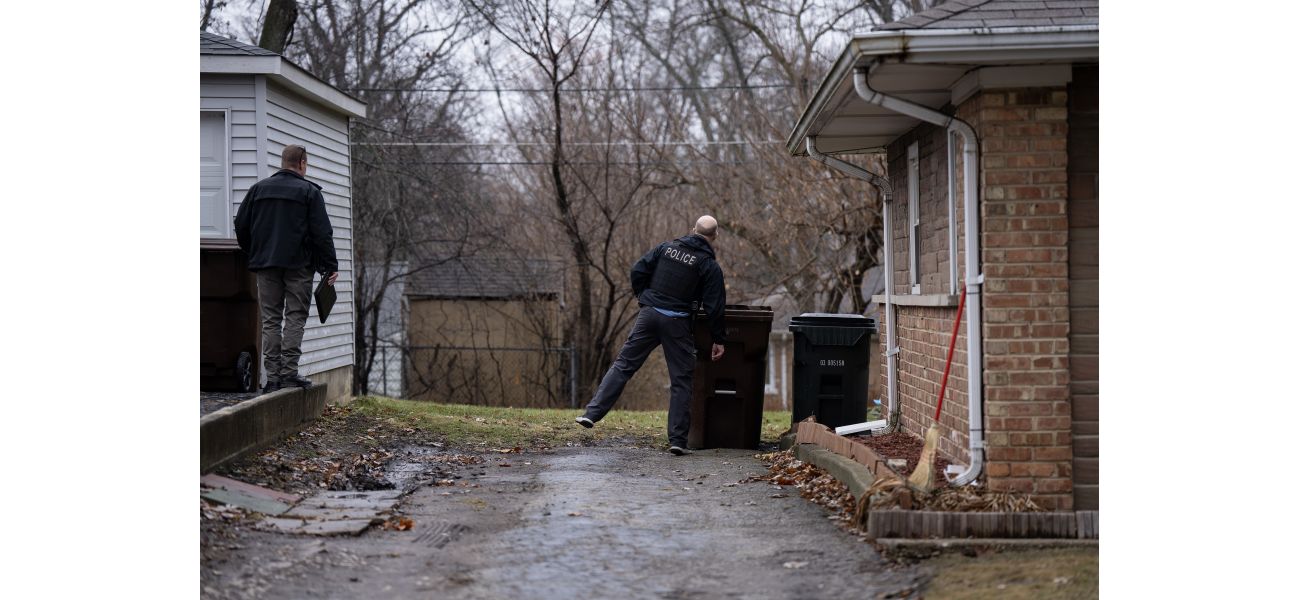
[668, 281]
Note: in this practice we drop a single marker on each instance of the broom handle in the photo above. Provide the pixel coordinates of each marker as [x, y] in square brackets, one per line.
[943, 387]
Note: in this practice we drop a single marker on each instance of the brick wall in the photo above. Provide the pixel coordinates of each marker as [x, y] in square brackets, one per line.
[1026, 302]
[1024, 247]
[924, 332]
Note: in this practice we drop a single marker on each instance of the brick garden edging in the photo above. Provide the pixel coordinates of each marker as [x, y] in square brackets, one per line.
[254, 424]
[814, 441]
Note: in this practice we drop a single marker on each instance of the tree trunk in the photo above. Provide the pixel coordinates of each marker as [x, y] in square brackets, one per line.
[589, 356]
[277, 27]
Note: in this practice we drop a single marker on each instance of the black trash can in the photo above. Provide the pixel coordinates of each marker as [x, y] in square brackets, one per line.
[727, 396]
[830, 367]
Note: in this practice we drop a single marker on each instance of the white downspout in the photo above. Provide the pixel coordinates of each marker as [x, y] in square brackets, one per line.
[891, 345]
[974, 279]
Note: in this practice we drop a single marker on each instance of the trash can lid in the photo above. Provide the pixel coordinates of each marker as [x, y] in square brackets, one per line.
[741, 312]
[832, 320]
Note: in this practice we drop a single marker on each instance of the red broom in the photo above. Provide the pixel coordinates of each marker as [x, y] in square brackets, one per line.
[923, 476]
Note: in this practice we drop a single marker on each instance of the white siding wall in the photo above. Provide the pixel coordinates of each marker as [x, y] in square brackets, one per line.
[236, 93]
[291, 119]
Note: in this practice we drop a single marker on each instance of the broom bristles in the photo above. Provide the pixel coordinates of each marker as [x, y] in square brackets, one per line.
[923, 477]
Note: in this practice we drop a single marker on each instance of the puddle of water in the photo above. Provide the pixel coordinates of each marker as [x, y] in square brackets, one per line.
[414, 466]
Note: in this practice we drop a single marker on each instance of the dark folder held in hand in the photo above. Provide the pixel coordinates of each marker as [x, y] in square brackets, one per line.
[325, 297]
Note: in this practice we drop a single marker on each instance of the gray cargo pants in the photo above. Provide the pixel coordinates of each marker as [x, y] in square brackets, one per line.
[285, 296]
[652, 329]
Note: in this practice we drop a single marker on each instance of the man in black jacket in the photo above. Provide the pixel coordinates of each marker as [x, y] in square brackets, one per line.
[283, 227]
[666, 281]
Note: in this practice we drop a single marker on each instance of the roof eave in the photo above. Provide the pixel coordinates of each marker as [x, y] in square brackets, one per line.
[287, 73]
[984, 46]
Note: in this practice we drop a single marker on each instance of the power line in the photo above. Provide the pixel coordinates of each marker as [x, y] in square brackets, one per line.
[683, 88]
[625, 143]
[569, 162]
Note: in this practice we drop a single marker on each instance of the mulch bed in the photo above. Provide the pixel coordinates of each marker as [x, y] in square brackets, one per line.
[901, 444]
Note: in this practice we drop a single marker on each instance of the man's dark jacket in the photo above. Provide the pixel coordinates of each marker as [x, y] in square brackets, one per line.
[710, 291]
[282, 223]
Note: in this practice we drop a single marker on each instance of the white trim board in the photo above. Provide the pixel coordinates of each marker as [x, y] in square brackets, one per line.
[287, 73]
[939, 300]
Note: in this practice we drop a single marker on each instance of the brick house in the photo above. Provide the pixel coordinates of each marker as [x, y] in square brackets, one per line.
[984, 107]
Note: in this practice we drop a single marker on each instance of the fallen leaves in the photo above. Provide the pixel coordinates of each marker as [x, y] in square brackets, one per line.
[813, 483]
[399, 524]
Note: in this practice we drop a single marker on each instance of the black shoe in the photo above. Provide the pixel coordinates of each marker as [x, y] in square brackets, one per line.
[297, 380]
[270, 386]
[678, 450]
[584, 421]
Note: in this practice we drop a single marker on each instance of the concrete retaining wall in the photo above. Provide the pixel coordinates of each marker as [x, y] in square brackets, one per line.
[234, 431]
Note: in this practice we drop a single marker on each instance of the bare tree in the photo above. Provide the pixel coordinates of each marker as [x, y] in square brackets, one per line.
[410, 212]
[745, 68]
[207, 9]
[555, 40]
[277, 26]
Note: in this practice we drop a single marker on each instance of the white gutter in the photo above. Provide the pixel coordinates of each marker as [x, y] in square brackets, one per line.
[891, 344]
[972, 47]
[974, 279]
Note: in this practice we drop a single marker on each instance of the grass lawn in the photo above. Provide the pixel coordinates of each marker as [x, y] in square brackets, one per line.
[499, 427]
[1009, 575]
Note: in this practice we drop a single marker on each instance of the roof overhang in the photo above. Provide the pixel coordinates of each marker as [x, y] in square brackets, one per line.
[287, 73]
[934, 68]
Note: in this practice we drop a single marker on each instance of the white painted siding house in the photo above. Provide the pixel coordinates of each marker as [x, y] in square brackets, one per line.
[253, 103]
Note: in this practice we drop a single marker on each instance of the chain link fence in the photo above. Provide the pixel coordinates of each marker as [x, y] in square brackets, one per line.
[517, 377]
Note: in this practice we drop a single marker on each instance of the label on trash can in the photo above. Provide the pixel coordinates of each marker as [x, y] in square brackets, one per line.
[832, 362]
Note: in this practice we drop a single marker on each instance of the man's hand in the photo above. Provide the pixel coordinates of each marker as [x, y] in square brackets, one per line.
[718, 350]
[333, 276]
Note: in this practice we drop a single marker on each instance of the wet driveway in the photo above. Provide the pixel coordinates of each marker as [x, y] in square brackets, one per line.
[577, 523]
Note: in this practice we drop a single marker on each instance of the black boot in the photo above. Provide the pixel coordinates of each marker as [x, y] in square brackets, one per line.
[295, 379]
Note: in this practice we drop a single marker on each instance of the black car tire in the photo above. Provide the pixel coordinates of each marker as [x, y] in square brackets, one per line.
[244, 372]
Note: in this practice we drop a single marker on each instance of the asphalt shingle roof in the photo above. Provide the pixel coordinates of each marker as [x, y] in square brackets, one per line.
[211, 43]
[486, 277]
[976, 14]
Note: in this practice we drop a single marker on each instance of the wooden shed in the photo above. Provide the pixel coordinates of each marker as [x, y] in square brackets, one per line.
[253, 103]
[486, 330]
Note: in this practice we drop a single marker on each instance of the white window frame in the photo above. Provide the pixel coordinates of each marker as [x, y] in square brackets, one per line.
[230, 176]
[914, 217]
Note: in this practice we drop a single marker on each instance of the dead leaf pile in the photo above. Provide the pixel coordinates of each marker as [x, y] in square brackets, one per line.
[966, 499]
[451, 459]
[342, 450]
[221, 512]
[813, 483]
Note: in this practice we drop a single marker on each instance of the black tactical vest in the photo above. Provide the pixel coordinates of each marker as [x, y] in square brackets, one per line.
[677, 273]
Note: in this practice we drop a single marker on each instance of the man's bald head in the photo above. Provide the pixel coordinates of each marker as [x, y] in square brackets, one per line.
[707, 226]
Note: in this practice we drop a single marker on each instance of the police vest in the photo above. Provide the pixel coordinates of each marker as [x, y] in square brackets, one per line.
[677, 273]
